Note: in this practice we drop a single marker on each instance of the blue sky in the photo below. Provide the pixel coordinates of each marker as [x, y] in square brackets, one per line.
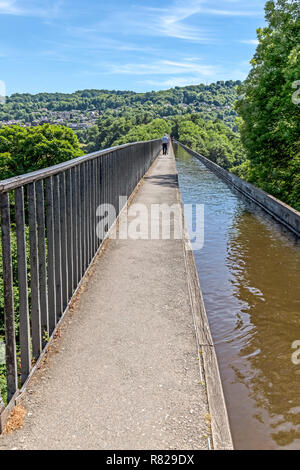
[140, 45]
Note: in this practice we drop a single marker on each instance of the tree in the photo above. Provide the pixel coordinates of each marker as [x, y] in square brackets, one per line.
[23, 150]
[270, 128]
[154, 130]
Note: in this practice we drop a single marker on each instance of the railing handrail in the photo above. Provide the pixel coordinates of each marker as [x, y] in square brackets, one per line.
[21, 180]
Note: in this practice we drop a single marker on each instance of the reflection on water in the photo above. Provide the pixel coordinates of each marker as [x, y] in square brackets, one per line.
[249, 271]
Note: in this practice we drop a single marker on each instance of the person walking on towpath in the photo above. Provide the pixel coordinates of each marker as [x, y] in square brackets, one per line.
[165, 143]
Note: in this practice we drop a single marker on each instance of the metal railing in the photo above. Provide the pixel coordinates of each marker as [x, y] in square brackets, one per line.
[48, 225]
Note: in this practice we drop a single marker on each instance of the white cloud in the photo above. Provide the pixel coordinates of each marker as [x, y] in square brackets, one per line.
[172, 21]
[172, 82]
[216, 12]
[30, 8]
[177, 19]
[91, 39]
[163, 67]
[8, 7]
[165, 21]
[250, 41]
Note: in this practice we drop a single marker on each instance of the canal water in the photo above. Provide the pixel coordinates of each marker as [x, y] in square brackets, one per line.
[249, 270]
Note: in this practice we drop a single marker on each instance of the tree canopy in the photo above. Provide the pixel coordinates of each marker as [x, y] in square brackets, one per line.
[214, 100]
[26, 149]
[270, 125]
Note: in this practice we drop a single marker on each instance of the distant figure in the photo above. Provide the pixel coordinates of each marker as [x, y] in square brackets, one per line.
[165, 143]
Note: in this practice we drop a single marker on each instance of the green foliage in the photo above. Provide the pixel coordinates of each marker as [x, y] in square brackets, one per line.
[154, 130]
[270, 128]
[215, 100]
[23, 150]
[213, 139]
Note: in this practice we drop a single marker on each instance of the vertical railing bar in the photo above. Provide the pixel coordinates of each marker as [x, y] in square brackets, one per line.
[90, 210]
[120, 169]
[131, 151]
[87, 208]
[77, 196]
[116, 183]
[69, 228]
[124, 178]
[83, 215]
[97, 171]
[63, 238]
[10, 336]
[94, 174]
[128, 173]
[112, 194]
[106, 183]
[100, 174]
[114, 190]
[131, 169]
[79, 221]
[75, 189]
[109, 201]
[93, 206]
[86, 213]
[88, 221]
[119, 180]
[34, 274]
[123, 173]
[101, 189]
[57, 245]
[24, 324]
[96, 201]
[90, 215]
[117, 174]
[50, 256]
[40, 205]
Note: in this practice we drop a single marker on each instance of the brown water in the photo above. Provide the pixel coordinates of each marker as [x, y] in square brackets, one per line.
[249, 271]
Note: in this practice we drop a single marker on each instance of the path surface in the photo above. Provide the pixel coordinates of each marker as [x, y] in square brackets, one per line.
[124, 372]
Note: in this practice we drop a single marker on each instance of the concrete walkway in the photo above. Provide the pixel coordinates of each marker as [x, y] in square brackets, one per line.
[123, 372]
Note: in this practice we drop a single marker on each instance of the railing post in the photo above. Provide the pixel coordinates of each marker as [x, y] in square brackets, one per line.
[74, 233]
[57, 248]
[63, 241]
[40, 205]
[24, 327]
[50, 255]
[34, 274]
[94, 205]
[10, 336]
[69, 231]
[82, 220]
[86, 217]
[79, 224]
